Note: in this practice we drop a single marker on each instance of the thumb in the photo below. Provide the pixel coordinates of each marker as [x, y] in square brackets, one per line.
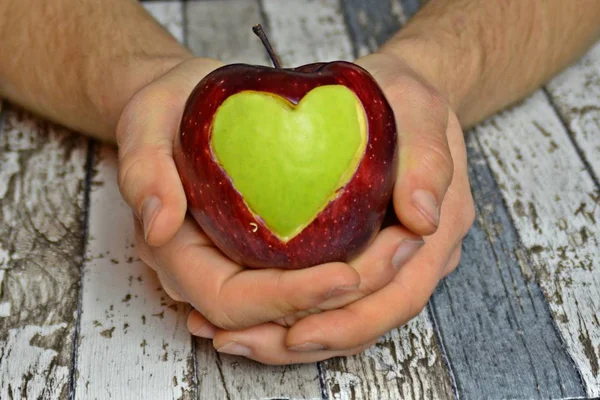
[148, 178]
[425, 162]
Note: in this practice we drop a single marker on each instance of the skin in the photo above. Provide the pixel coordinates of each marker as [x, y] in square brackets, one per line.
[132, 88]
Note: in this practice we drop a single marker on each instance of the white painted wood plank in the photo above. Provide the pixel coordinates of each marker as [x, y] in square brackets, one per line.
[224, 30]
[169, 14]
[42, 172]
[555, 206]
[133, 338]
[407, 362]
[576, 92]
[307, 31]
[225, 33]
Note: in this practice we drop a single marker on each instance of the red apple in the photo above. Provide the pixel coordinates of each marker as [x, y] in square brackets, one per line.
[343, 226]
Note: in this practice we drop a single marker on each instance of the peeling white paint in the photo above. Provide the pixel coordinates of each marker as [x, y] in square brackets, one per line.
[9, 165]
[20, 363]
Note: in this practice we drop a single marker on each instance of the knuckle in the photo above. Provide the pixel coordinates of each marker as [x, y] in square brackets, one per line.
[421, 96]
[289, 302]
[415, 309]
[221, 318]
[130, 115]
[135, 167]
[142, 109]
[458, 256]
[127, 171]
[470, 215]
[436, 159]
[414, 304]
[144, 253]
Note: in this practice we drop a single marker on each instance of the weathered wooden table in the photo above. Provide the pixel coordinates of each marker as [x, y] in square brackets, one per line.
[81, 316]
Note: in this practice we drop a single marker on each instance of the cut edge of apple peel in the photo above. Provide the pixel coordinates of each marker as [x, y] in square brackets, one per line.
[342, 183]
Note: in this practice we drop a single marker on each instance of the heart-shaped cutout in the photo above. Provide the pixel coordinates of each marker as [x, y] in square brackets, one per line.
[288, 161]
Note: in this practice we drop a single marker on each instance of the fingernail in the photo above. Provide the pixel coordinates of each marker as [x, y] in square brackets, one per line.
[206, 331]
[199, 327]
[426, 203]
[172, 293]
[235, 349]
[308, 346]
[406, 250]
[341, 290]
[150, 209]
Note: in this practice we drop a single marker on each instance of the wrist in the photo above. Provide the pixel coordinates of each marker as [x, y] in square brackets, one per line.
[452, 71]
[108, 91]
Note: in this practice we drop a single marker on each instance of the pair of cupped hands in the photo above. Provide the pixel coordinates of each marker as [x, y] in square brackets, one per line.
[279, 316]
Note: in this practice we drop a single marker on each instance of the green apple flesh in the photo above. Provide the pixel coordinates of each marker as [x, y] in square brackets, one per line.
[288, 161]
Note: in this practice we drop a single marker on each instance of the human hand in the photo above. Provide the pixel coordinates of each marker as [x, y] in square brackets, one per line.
[432, 199]
[189, 266]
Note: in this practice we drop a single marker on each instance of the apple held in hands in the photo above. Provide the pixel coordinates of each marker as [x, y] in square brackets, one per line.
[288, 168]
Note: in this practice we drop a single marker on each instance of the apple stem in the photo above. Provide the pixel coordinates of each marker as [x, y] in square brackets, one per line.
[258, 31]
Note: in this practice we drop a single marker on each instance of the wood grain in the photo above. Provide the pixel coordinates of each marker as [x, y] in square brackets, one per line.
[493, 319]
[407, 363]
[576, 93]
[170, 14]
[42, 183]
[555, 206]
[307, 31]
[225, 33]
[372, 23]
[133, 338]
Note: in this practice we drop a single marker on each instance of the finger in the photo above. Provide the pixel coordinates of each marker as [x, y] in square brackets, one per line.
[378, 264]
[145, 253]
[266, 344]
[142, 249]
[452, 262]
[232, 297]
[148, 178]
[369, 318]
[170, 288]
[200, 326]
[425, 162]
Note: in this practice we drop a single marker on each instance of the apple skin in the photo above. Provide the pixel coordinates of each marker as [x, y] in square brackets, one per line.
[347, 224]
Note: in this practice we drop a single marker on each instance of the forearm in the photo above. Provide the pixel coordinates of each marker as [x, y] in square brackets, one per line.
[485, 55]
[77, 62]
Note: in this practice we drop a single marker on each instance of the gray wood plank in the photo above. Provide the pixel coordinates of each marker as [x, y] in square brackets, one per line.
[42, 184]
[554, 204]
[307, 31]
[222, 29]
[372, 23]
[496, 327]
